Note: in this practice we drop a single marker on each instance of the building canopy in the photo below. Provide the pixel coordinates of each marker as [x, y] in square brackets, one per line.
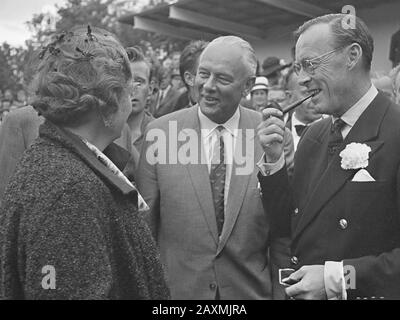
[253, 20]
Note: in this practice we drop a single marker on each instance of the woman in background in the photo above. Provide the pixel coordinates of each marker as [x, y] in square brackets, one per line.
[259, 94]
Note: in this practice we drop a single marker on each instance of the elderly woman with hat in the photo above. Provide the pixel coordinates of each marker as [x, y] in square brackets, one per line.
[71, 224]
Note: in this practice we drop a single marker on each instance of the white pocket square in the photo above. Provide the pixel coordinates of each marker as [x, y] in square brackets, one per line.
[362, 176]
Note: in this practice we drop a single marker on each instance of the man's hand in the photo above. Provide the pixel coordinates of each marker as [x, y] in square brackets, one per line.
[310, 285]
[271, 134]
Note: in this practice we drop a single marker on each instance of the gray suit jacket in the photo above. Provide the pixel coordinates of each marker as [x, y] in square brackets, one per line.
[198, 263]
[168, 104]
[17, 132]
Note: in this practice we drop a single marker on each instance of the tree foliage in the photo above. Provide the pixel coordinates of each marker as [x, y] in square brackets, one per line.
[16, 63]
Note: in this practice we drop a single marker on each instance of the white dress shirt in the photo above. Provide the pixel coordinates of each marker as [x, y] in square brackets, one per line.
[335, 285]
[209, 137]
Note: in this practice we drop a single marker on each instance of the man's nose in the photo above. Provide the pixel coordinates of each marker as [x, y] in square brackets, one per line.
[304, 78]
[209, 84]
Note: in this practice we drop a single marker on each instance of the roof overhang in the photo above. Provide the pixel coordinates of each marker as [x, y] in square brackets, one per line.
[251, 19]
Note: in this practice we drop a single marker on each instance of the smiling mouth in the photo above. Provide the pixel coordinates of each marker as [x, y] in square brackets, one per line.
[210, 99]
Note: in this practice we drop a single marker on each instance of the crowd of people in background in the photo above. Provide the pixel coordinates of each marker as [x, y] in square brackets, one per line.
[10, 100]
[169, 90]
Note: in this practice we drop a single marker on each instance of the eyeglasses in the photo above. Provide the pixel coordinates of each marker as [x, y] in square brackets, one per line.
[310, 65]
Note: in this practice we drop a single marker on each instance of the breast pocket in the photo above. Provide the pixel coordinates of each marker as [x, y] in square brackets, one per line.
[370, 186]
[367, 201]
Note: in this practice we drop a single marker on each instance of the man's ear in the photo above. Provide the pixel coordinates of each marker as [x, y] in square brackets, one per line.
[354, 55]
[248, 85]
[189, 78]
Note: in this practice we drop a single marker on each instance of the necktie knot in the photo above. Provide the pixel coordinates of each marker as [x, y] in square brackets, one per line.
[335, 138]
[300, 129]
[338, 125]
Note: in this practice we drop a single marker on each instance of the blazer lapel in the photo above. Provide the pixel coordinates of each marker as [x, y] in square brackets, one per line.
[239, 182]
[334, 177]
[199, 176]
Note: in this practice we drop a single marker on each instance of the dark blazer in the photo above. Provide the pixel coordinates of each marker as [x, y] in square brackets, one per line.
[182, 217]
[63, 208]
[335, 219]
[168, 104]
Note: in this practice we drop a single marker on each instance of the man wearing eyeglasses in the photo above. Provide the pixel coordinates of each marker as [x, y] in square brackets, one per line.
[343, 202]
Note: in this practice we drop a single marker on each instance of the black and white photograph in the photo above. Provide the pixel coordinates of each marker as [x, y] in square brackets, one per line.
[200, 154]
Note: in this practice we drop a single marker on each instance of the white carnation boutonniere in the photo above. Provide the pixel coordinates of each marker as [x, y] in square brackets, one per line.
[355, 156]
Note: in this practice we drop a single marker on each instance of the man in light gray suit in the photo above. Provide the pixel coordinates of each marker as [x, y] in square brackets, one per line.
[197, 172]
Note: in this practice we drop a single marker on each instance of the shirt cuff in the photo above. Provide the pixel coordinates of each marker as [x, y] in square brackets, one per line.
[335, 285]
[268, 169]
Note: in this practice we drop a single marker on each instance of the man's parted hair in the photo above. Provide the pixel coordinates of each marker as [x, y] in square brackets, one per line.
[344, 36]
[189, 58]
[80, 70]
[249, 56]
[135, 54]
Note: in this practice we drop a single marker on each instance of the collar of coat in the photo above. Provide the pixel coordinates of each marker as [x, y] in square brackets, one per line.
[116, 154]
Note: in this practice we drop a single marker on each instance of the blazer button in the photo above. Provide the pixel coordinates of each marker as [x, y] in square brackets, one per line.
[294, 260]
[343, 223]
[296, 211]
[213, 286]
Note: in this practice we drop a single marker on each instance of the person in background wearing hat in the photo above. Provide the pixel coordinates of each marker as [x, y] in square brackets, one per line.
[272, 67]
[259, 94]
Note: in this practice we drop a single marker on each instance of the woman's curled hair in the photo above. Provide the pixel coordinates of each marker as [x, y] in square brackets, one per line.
[78, 71]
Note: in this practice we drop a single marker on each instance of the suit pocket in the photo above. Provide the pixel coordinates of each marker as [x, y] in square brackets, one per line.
[367, 202]
[370, 186]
